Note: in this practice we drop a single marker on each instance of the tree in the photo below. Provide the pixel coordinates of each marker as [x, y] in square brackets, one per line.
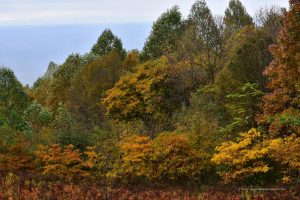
[151, 94]
[131, 60]
[59, 164]
[242, 108]
[61, 83]
[13, 100]
[269, 19]
[89, 85]
[165, 31]
[108, 42]
[247, 57]
[236, 17]
[67, 130]
[244, 159]
[174, 159]
[39, 121]
[201, 44]
[170, 157]
[280, 108]
[135, 153]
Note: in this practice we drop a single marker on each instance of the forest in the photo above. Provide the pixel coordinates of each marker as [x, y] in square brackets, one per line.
[208, 109]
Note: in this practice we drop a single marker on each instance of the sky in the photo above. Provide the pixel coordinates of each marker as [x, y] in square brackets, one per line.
[35, 32]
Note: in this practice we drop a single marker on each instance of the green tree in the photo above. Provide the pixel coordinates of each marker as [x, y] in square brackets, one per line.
[59, 88]
[201, 44]
[68, 131]
[247, 57]
[269, 19]
[89, 85]
[242, 107]
[13, 100]
[108, 42]
[165, 31]
[236, 17]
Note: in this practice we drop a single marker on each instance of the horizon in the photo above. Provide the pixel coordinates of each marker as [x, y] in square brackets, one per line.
[28, 46]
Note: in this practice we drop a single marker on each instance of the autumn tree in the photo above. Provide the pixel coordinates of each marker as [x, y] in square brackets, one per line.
[60, 163]
[175, 159]
[281, 113]
[243, 160]
[133, 165]
[276, 150]
[131, 60]
[89, 84]
[151, 94]
[169, 158]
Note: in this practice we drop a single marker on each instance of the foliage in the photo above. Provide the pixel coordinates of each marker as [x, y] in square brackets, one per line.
[175, 159]
[242, 108]
[168, 158]
[13, 100]
[281, 106]
[201, 43]
[202, 101]
[236, 17]
[254, 154]
[58, 163]
[150, 94]
[165, 31]
[243, 158]
[108, 42]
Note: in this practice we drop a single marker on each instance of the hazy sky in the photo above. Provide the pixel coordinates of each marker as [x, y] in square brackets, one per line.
[58, 28]
[20, 12]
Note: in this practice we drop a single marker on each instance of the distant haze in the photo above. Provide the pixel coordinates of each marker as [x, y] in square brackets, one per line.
[29, 49]
[32, 32]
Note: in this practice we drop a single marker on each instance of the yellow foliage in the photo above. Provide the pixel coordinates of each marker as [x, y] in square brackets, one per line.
[244, 157]
[247, 156]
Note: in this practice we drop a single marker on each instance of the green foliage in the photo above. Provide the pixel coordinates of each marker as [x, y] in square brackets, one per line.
[242, 107]
[201, 43]
[108, 42]
[62, 80]
[13, 100]
[236, 17]
[248, 56]
[67, 131]
[165, 31]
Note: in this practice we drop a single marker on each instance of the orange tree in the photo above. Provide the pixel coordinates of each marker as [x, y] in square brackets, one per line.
[57, 163]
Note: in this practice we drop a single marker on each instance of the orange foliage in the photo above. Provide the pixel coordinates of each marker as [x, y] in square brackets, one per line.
[58, 163]
[281, 106]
